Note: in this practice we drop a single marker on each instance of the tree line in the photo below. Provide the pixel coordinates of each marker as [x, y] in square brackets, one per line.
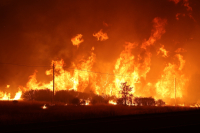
[81, 98]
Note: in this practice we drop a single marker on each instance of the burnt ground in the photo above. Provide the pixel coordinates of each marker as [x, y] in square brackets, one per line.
[162, 122]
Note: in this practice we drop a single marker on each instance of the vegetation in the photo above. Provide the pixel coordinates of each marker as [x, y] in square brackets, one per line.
[160, 102]
[145, 101]
[125, 91]
[64, 96]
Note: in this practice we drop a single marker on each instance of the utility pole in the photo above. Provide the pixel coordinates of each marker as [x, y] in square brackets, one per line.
[175, 89]
[52, 99]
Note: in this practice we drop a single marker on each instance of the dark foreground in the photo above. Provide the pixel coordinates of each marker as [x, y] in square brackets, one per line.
[163, 122]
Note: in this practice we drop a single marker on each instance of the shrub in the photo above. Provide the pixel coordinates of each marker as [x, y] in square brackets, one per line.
[160, 102]
[97, 99]
[120, 101]
[75, 101]
[63, 96]
[144, 101]
[15, 101]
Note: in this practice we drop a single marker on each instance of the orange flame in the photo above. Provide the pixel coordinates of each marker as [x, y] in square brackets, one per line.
[164, 51]
[44, 106]
[4, 96]
[112, 102]
[7, 96]
[101, 36]
[18, 95]
[77, 40]
[156, 33]
[66, 79]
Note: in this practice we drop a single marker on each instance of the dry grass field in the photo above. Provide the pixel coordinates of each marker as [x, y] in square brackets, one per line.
[28, 112]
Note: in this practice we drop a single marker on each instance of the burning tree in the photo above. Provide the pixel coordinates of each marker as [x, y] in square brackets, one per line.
[126, 89]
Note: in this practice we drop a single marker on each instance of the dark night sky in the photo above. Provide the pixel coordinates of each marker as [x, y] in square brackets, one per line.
[35, 32]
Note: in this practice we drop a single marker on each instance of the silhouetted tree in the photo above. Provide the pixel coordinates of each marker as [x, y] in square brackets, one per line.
[125, 91]
[138, 101]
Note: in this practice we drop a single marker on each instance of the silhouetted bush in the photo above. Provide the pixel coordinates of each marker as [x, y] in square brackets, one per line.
[97, 99]
[43, 95]
[29, 95]
[119, 101]
[144, 101]
[160, 102]
[63, 96]
[15, 101]
[75, 101]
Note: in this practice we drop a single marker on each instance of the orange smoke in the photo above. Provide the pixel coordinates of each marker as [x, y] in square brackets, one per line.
[186, 4]
[175, 1]
[180, 50]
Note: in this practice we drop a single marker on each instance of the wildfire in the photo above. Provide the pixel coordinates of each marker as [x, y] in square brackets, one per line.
[132, 66]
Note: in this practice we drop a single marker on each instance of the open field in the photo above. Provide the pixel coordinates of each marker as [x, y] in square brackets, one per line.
[28, 112]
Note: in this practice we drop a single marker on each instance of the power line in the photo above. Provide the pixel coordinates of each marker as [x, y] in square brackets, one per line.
[22, 65]
[100, 72]
[62, 67]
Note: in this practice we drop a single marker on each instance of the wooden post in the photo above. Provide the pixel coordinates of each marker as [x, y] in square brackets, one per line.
[52, 99]
[175, 89]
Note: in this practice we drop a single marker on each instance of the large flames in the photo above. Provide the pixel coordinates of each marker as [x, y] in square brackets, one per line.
[7, 96]
[131, 67]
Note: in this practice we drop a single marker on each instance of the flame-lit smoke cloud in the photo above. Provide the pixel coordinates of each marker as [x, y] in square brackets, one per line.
[101, 36]
[187, 5]
[175, 1]
[180, 50]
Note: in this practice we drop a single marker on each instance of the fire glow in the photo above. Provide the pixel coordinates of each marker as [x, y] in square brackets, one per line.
[98, 59]
[127, 64]
[128, 68]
